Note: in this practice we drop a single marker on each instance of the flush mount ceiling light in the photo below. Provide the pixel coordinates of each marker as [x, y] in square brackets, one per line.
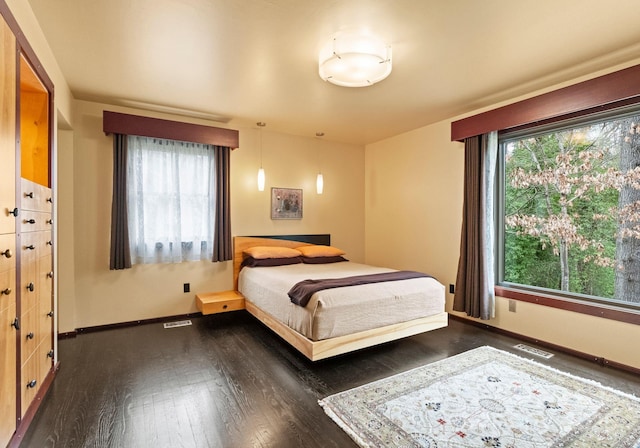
[350, 59]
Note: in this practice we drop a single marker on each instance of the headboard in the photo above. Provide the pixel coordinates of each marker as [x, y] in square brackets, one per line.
[241, 243]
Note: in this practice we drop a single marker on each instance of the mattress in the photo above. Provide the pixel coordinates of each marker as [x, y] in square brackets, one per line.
[340, 311]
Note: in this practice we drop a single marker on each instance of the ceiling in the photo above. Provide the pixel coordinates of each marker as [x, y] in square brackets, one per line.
[243, 61]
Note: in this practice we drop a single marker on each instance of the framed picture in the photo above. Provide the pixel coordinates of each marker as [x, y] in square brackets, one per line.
[286, 203]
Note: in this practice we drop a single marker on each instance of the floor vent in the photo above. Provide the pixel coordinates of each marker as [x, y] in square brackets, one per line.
[178, 323]
[533, 351]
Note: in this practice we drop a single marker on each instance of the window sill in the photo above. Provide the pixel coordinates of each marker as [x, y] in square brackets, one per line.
[578, 306]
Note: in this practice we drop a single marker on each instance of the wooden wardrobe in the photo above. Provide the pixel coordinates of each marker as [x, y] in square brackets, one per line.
[27, 336]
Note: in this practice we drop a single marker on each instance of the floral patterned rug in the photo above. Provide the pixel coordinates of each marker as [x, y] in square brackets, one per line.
[486, 398]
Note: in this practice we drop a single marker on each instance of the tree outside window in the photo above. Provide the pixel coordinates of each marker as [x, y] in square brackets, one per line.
[572, 210]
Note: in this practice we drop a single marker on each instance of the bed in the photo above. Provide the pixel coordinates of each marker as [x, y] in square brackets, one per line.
[337, 320]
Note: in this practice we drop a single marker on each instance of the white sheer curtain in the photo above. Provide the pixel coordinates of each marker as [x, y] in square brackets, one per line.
[491, 157]
[171, 200]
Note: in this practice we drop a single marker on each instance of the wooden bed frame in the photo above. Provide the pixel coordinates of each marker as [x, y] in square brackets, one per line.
[316, 350]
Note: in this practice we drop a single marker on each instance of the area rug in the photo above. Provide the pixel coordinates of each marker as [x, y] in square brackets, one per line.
[486, 398]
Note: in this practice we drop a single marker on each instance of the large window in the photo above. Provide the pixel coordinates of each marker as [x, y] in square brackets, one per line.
[171, 200]
[569, 215]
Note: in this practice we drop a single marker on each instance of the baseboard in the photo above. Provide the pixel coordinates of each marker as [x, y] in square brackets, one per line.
[133, 323]
[68, 334]
[559, 348]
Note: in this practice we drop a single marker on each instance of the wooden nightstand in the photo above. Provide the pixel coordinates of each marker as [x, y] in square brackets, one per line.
[219, 302]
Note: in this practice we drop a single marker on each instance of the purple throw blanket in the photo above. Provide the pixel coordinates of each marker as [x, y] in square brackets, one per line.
[301, 292]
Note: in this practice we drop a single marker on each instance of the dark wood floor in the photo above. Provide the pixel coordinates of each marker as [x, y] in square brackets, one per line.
[227, 381]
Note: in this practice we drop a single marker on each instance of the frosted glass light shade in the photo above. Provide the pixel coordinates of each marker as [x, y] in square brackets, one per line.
[260, 179]
[319, 184]
[354, 60]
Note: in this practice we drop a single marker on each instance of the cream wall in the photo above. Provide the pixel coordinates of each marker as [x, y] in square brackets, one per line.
[293, 162]
[413, 182]
[100, 296]
[65, 278]
[413, 209]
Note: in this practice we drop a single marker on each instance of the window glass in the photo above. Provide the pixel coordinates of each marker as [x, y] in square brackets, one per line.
[171, 200]
[570, 210]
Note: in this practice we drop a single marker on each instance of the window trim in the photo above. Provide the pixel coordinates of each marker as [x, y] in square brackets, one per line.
[567, 304]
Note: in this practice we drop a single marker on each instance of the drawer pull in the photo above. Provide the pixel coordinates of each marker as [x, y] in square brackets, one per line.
[6, 291]
[31, 384]
[224, 307]
[49, 243]
[50, 274]
[31, 287]
[29, 221]
[50, 200]
[50, 314]
[30, 247]
[16, 323]
[30, 335]
[7, 253]
[49, 221]
[50, 354]
[13, 212]
[29, 195]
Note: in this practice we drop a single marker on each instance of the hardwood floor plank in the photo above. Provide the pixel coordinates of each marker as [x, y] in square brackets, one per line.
[227, 381]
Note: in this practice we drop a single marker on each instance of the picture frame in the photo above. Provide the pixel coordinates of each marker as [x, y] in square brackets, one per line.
[286, 203]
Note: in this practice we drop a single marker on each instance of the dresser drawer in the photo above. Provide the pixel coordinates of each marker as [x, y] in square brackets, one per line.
[45, 322]
[45, 359]
[29, 381]
[45, 281]
[32, 221]
[29, 333]
[35, 197]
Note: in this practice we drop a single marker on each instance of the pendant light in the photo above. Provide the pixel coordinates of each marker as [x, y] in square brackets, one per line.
[261, 178]
[319, 178]
[319, 184]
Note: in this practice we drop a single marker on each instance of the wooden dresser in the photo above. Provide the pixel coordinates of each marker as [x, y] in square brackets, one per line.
[36, 277]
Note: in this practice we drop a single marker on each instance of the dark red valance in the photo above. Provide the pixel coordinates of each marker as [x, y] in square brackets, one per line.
[606, 92]
[117, 123]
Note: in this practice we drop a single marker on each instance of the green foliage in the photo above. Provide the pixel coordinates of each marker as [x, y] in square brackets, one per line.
[529, 256]
[526, 263]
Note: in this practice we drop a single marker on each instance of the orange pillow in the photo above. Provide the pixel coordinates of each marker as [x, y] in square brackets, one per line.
[260, 252]
[320, 251]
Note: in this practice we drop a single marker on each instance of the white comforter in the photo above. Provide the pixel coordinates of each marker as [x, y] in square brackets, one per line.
[339, 311]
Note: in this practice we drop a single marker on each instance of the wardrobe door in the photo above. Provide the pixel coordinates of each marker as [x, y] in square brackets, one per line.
[8, 355]
[7, 344]
[7, 129]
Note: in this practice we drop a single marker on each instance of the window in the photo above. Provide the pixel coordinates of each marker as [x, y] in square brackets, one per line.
[171, 198]
[569, 210]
